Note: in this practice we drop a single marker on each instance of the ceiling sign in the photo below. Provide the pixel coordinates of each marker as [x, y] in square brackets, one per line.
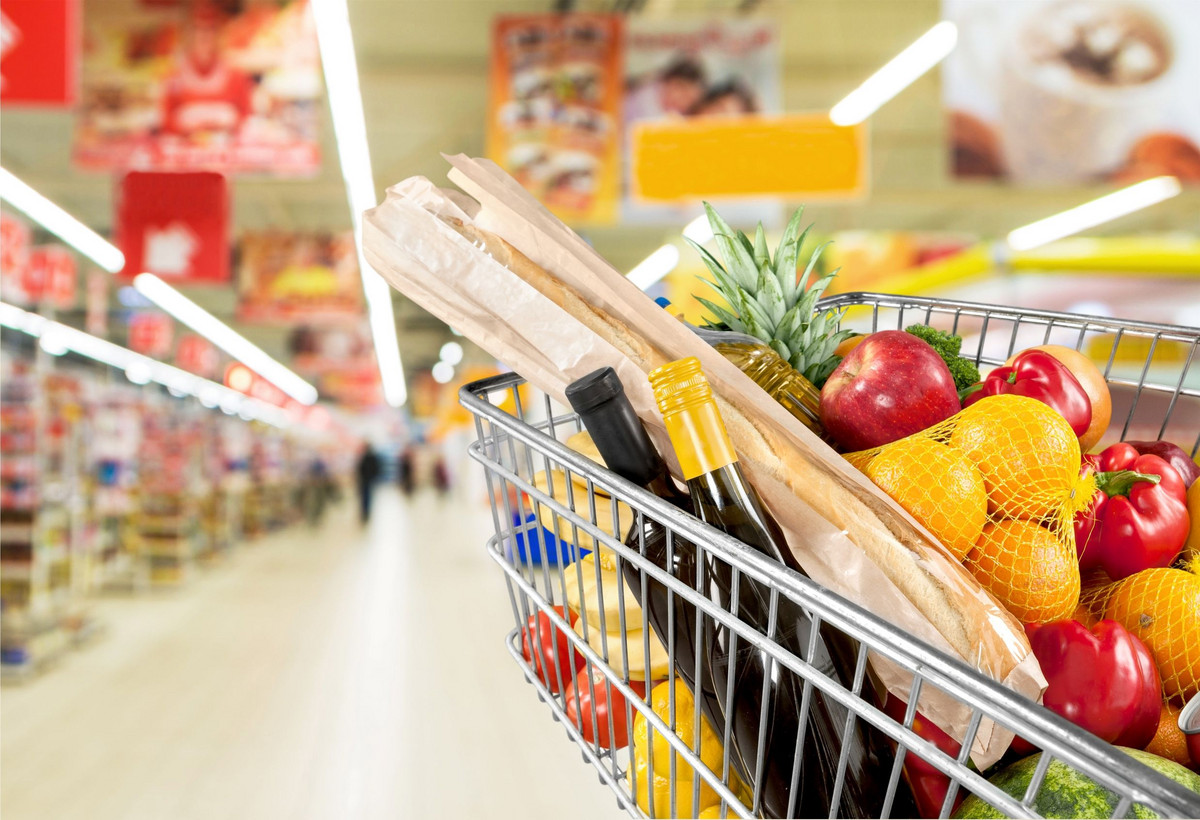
[175, 225]
[50, 276]
[150, 333]
[799, 155]
[197, 355]
[39, 52]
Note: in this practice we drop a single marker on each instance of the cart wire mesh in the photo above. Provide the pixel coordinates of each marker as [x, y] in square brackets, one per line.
[538, 523]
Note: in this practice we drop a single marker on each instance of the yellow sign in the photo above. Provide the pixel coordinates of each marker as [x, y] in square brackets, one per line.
[799, 155]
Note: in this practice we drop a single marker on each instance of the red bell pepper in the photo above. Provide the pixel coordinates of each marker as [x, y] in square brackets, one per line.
[1102, 680]
[548, 649]
[927, 783]
[1038, 375]
[1174, 455]
[592, 700]
[1138, 519]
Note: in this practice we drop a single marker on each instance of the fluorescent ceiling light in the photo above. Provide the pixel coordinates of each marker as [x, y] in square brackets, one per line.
[442, 372]
[139, 369]
[698, 230]
[350, 127]
[899, 72]
[60, 223]
[1098, 211]
[655, 266]
[224, 337]
[451, 353]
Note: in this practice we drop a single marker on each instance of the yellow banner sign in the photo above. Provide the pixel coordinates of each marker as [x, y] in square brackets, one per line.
[799, 155]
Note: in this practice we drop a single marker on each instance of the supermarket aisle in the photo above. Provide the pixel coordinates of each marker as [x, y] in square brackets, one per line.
[337, 674]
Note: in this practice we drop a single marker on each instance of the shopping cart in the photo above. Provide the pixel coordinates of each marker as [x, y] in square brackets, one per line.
[1156, 394]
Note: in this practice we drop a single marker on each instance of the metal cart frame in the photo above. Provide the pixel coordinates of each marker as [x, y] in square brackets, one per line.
[522, 437]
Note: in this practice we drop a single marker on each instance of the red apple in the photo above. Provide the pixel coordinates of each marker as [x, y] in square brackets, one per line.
[890, 386]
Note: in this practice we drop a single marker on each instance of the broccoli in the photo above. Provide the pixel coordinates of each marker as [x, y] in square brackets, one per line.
[964, 371]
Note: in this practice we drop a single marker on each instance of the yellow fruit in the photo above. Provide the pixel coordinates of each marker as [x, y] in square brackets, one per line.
[1029, 570]
[1162, 607]
[1027, 453]
[711, 755]
[1191, 547]
[938, 486]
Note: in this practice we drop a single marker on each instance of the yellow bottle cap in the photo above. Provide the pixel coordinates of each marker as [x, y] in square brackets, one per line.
[693, 422]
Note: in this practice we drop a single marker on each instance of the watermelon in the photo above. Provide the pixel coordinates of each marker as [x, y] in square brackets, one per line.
[1067, 793]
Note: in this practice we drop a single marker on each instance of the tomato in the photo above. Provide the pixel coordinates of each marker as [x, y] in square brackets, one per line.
[568, 662]
[591, 694]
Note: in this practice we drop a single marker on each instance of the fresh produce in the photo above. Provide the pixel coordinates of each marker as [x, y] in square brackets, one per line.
[765, 299]
[1027, 453]
[608, 645]
[1174, 455]
[592, 702]
[1189, 724]
[947, 345]
[1029, 570]
[1161, 606]
[1103, 680]
[1191, 548]
[1138, 518]
[541, 640]
[890, 386]
[1038, 375]
[849, 344]
[1169, 741]
[1093, 383]
[1068, 793]
[927, 783]
[954, 508]
[710, 751]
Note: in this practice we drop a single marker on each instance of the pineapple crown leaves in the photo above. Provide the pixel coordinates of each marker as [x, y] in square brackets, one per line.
[769, 299]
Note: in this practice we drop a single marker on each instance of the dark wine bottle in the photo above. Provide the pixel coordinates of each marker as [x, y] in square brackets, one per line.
[743, 676]
[599, 399]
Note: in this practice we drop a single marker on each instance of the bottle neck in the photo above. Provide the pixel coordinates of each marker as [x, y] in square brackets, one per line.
[701, 442]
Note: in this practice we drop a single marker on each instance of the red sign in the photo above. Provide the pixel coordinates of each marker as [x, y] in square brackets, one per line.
[175, 226]
[96, 303]
[197, 355]
[14, 256]
[39, 52]
[150, 333]
[50, 276]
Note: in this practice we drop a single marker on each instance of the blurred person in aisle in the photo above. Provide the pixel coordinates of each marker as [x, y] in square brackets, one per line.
[405, 470]
[317, 491]
[441, 476]
[366, 474]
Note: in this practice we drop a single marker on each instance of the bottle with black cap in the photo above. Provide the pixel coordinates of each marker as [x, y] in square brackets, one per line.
[599, 399]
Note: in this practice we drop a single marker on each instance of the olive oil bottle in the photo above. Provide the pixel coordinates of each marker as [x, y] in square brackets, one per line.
[761, 696]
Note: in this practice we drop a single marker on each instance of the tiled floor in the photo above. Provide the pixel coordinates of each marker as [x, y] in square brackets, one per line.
[337, 674]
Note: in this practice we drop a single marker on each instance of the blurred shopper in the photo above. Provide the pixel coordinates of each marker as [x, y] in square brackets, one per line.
[405, 470]
[366, 474]
[317, 492]
[441, 476]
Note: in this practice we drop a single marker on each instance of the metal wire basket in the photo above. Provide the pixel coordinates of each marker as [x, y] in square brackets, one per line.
[1156, 394]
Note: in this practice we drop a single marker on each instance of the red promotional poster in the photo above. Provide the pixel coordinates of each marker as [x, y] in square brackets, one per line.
[226, 86]
[175, 225]
[15, 239]
[96, 303]
[39, 52]
[286, 277]
[150, 333]
[196, 354]
[50, 276]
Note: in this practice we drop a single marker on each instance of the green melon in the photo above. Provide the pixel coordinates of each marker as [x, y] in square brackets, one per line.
[1068, 794]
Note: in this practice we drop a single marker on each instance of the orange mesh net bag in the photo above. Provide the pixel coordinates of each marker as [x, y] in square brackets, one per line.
[998, 484]
[1162, 607]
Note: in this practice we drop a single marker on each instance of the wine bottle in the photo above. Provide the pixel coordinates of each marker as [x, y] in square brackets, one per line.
[743, 676]
[599, 399]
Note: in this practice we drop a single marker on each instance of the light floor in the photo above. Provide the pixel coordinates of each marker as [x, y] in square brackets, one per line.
[337, 674]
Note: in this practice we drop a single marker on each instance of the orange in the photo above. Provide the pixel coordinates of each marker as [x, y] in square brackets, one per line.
[1162, 607]
[938, 486]
[1029, 570]
[1027, 452]
[1093, 383]
[1191, 548]
[1170, 741]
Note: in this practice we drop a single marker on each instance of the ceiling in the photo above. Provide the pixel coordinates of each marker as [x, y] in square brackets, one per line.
[423, 67]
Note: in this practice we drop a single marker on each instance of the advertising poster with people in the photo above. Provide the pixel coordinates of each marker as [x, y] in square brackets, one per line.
[226, 85]
[554, 110]
[1063, 92]
[288, 277]
[695, 69]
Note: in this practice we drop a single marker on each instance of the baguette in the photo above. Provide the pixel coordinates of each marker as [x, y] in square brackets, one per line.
[959, 609]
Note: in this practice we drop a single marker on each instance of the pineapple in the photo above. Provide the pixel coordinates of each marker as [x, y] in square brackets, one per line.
[767, 300]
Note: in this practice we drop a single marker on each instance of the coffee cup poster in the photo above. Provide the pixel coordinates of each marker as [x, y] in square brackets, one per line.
[1068, 92]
